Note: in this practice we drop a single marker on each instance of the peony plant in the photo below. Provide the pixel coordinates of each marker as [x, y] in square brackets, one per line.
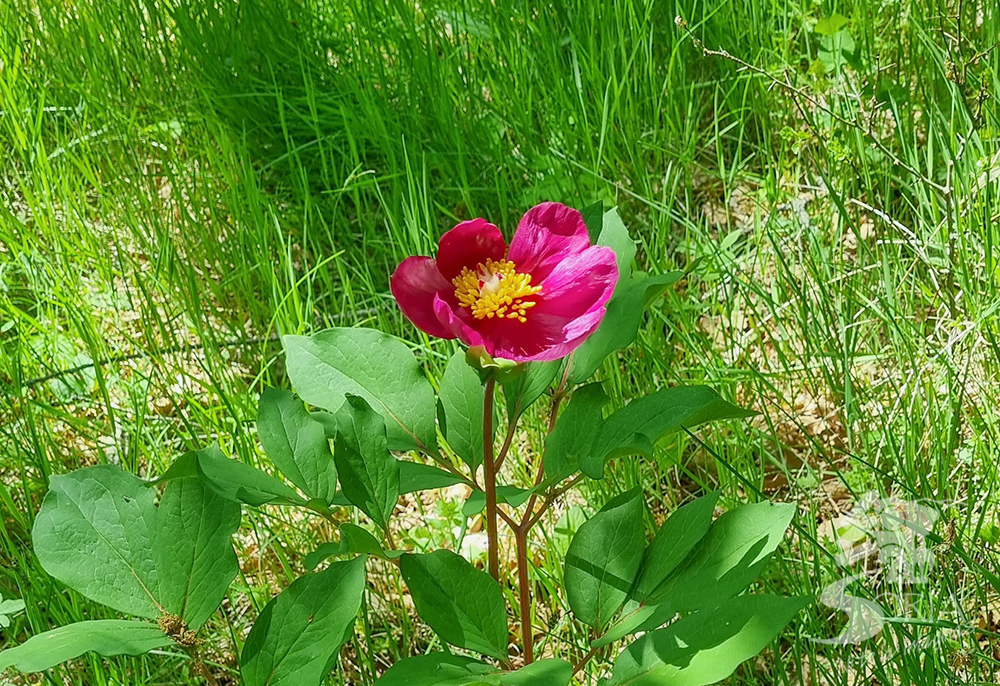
[536, 319]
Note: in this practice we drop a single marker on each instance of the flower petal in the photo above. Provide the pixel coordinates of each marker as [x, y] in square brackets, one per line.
[570, 307]
[579, 283]
[467, 245]
[453, 318]
[547, 234]
[415, 285]
[569, 338]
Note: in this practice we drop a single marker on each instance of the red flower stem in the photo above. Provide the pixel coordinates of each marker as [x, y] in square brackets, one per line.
[524, 589]
[506, 445]
[508, 519]
[491, 482]
[551, 497]
[527, 521]
[586, 658]
[558, 395]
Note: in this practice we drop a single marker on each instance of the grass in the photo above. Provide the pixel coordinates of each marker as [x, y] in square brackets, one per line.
[182, 181]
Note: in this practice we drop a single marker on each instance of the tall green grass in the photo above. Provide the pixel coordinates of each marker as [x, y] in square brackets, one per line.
[184, 180]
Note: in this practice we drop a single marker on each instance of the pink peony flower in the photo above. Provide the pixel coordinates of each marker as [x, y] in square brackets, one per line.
[539, 300]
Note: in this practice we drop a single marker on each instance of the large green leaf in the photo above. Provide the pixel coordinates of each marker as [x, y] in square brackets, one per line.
[575, 431]
[510, 495]
[621, 321]
[414, 476]
[707, 646]
[551, 672]
[528, 386]
[462, 397]
[593, 218]
[442, 669]
[369, 474]
[603, 559]
[728, 558]
[639, 425]
[674, 541]
[722, 565]
[329, 365]
[94, 533]
[297, 444]
[106, 637]
[463, 605]
[615, 236]
[353, 541]
[232, 479]
[300, 631]
[439, 669]
[193, 549]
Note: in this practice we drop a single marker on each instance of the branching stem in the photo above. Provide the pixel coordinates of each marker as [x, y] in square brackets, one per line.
[583, 661]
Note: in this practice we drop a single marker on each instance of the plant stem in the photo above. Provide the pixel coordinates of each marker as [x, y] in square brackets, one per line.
[583, 662]
[524, 589]
[201, 667]
[527, 521]
[559, 394]
[491, 482]
[506, 444]
[205, 672]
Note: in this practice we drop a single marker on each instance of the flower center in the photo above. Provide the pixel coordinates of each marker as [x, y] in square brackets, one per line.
[494, 289]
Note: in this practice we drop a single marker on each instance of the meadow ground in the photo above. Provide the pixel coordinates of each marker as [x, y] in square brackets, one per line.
[182, 181]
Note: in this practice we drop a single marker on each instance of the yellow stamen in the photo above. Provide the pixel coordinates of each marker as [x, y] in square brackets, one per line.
[495, 289]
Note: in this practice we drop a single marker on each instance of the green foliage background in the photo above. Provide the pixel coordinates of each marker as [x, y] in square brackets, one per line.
[183, 180]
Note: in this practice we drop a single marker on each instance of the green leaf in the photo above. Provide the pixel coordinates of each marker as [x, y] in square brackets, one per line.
[615, 236]
[551, 672]
[439, 669]
[639, 425]
[463, 605]
[575, 431]
[11, 607]
[524, 389]
[353, 541]
[462, 396]
[722, 565]
[603, 559]
[107, 637]
[193, 549]
[329, 365]
[621, 321]
[511, 495]
[593, 218]
[232, 479]
[297, 444]
[94, 533]
[674, 541]
[830, 25]
[327, 420]
[707, 646]
[414, 477]
[300, 631]
[369, 474]
[728, 558]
